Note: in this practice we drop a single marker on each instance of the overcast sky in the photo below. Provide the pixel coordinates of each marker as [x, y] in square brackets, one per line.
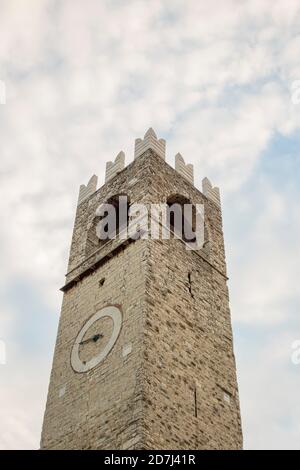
[214, 78]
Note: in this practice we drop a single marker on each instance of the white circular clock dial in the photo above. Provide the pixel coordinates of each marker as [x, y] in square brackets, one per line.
[96, 338]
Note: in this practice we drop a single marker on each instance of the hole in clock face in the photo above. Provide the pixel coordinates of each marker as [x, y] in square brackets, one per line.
[95, 339]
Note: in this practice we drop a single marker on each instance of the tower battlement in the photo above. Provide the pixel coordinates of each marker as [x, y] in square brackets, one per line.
[87, 190]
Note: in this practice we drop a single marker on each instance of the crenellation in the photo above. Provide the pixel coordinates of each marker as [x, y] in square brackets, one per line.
[150, 141]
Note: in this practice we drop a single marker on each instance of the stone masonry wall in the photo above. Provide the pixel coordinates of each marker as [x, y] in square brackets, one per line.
[176, 388]
[102, 407]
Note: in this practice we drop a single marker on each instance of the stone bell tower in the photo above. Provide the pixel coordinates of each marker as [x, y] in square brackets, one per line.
[144, 352]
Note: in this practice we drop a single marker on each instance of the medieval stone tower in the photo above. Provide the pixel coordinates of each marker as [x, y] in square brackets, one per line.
[144, 355]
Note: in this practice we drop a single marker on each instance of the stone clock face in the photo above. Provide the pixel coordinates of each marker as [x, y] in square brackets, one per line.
[96, 338]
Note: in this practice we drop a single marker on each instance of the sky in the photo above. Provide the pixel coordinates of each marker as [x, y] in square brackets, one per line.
[218, 81]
